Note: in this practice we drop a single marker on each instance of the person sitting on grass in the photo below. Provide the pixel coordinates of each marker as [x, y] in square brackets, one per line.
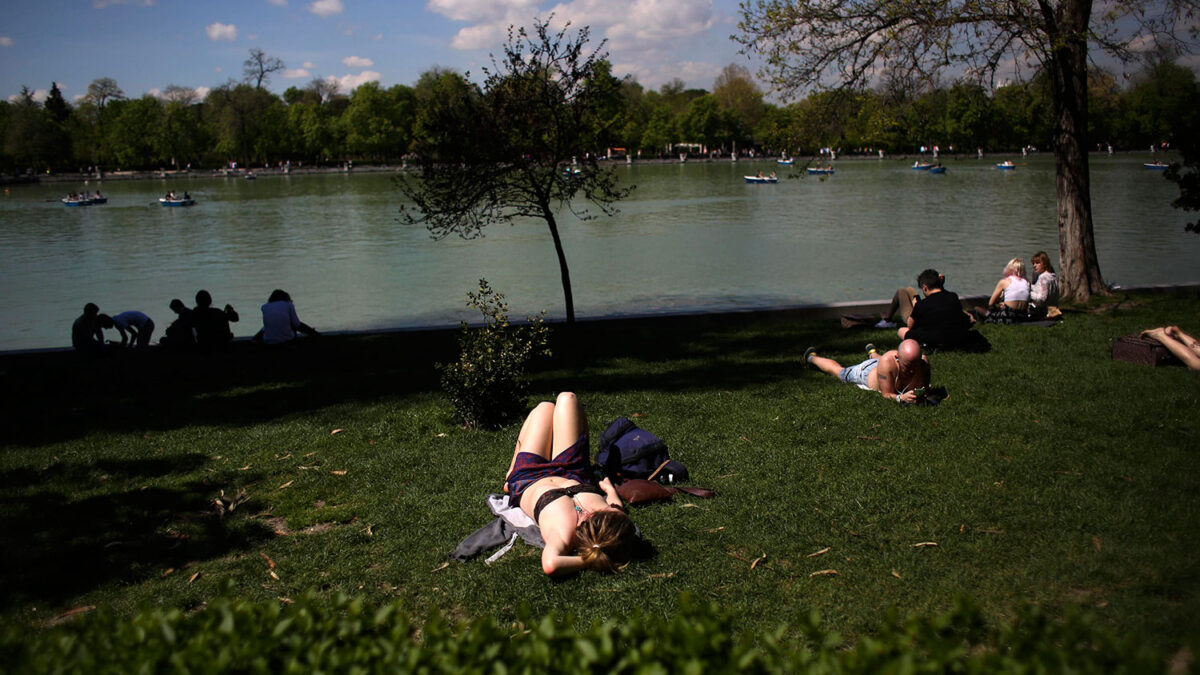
[938, 319]
[280, 323]
[1185, 347]
[895, 374]
[1009, 302]
[1043, 294]
[583, 523]
[87, 334]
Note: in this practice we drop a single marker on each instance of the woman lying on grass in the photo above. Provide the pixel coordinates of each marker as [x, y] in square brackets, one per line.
[1185, 347]
[583, 523]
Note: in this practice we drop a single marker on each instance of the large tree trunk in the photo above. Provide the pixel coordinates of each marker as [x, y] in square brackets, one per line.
[562, 262]
[1079, 268]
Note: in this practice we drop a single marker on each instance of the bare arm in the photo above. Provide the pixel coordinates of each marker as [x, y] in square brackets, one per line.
[999, 292]
[611, 496]
[886, 377]
[555, 563]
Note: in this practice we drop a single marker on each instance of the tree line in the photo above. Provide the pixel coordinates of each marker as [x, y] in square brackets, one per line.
[317, 124]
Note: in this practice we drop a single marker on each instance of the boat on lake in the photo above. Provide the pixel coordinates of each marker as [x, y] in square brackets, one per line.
[922, 166]
[785, 161]
[1156, 165]
[761, 179]
[84, 199]
[250, 175]
[185, 200]
[937, 169]
[820, 170]
[1006, 165]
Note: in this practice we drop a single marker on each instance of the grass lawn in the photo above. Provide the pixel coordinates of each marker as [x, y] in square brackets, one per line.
[1052, 475]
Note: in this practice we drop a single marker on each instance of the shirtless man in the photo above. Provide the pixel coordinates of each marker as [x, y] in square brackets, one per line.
[894, 375]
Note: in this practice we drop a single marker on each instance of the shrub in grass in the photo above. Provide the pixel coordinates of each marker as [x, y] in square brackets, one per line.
[341, 634]
[488, 384]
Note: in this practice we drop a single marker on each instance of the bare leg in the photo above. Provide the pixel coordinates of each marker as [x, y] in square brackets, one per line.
[535, 434]
[902, 304]
[1182, 351]
[826, 365]
[570, 422]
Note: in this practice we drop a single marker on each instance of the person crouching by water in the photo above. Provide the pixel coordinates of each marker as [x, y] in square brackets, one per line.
[583, 522]
[280, 323]
[87, 334]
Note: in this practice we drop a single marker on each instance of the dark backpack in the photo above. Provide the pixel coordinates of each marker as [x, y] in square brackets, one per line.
[628, 451]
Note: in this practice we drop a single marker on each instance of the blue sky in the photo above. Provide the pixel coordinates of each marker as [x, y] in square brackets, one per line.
[146, 45]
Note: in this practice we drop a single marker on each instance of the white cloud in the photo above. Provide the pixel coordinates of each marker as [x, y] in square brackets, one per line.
[5, 41]
[654, 73]
[221, 31]
[202, 92]
[76, 98]
[296, 73]
[349, 83]
[39, 95]
[309, 64]
[101, 4]
[477, 11]
[155, 92]
[278, 3]
[357, 62]
[326, 7]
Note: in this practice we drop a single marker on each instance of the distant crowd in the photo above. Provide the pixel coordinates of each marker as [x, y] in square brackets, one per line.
[202, 328]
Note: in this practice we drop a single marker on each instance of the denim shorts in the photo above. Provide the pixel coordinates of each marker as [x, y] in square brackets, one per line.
[858, 375]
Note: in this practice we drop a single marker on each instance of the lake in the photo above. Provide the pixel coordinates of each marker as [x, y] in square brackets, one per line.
[692, 237]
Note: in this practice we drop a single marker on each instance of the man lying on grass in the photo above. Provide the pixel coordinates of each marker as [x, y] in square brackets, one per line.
[898, 374]
[583, 523]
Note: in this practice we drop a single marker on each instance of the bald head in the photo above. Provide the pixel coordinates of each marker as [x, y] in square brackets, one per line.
[909, 352]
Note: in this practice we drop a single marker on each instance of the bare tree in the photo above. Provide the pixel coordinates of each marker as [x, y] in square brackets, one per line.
[182, 95]
[259, 66]
[843, 44]
[324, 88]
[102, 90]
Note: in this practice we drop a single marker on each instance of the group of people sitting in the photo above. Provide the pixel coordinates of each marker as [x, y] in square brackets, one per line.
[203, 327]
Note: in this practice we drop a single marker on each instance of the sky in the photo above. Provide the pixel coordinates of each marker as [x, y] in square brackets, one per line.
[146, 45]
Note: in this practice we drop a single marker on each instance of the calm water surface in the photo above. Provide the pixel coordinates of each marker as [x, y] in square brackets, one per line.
[692, 237]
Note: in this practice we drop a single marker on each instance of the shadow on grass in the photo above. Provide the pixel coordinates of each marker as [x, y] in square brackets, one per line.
[56, 546]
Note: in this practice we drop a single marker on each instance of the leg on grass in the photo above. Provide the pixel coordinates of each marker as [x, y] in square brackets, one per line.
[826, 365]
[1176, 346]
[535, 433]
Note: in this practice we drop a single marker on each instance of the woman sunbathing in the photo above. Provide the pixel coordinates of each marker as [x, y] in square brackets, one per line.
[1185, 347]
[583, 522]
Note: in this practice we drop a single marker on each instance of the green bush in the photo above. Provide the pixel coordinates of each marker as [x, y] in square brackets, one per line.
[488, 384]
[342, 634]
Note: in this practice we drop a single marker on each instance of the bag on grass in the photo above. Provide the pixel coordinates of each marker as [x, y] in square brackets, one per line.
[640, 491]
[1137, 349]
[628, 451]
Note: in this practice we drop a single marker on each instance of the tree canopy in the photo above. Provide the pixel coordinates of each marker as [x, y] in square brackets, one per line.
[816, 44]
[523, 145]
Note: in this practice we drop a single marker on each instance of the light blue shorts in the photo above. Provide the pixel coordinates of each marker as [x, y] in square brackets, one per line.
[858, 375]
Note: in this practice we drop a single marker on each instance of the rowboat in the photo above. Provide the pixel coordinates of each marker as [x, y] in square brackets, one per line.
[1006, 166]
[937, 169]
[1156, 166]
[785, 162]
[820, 170]
[761, 179]
[922, 166]
[84, 200]
[178, 201]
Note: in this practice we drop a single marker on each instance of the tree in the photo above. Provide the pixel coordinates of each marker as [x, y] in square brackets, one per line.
[824, 43]
[104, 89]
[736, 92]
[258, 67]
[505, 152]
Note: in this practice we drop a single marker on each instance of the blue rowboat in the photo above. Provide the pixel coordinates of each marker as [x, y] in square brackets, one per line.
[761, 179]
[785, 162]
[922, 166]
[937, 169]
[820, 171]
[67, 201]
[1005, 166]
[163, 201]
[1156, 166]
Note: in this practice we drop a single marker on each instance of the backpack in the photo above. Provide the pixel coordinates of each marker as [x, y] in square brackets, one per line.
[627, 451]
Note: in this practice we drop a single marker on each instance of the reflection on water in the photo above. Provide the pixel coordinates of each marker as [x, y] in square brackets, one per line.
[692, 236]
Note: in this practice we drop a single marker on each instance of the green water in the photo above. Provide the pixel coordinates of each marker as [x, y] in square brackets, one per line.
[692, 236]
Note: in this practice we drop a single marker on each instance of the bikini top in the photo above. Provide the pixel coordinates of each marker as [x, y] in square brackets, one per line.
[558, 493]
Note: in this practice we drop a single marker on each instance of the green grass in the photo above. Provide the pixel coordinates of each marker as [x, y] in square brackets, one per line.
[1051, 476]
